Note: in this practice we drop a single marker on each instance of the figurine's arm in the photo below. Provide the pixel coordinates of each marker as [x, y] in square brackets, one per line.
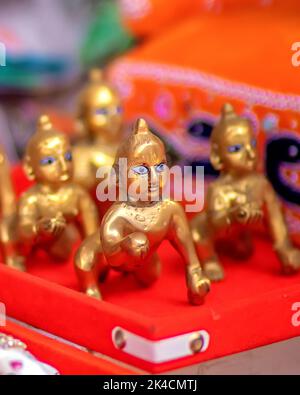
[275, 218]
[88, 212]
[119, 239]
[218, 208]
[230, 206]
[7, 194]
[180, 236]
[27, 218]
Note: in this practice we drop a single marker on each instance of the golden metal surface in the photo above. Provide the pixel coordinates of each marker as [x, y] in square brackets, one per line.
[132, 230]
[240, 197]
[53, 211]
[99, 126]
[8, 217]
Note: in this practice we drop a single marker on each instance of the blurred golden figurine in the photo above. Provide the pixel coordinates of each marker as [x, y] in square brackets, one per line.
[132, 230]
[238, 198]
[8, 233]
[99, 126]
[49, 211]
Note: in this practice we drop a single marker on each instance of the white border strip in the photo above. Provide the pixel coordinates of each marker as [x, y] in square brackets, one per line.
[159, 351]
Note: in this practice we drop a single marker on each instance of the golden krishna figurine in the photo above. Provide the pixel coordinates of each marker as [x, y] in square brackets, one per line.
[50, 211]
[8, 223]
[239, 197]
[99, 125]
[132, 229]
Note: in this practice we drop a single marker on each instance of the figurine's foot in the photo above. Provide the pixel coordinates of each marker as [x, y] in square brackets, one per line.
[198, 285]
[213, 270]
[290, 259]
[197, 298]
[16, 262]
[94, 292]
[148, 273]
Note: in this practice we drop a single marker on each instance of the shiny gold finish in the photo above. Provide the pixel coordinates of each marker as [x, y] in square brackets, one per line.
[132, 230]
[238, 198]
[99, 125]
[49, 211]
[8, 217]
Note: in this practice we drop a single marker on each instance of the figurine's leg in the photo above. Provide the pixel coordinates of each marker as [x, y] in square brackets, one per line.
[10, 253]
[90, 264]
[205, 249]
[149, 272]
[282, 244]
[198, 285]
[62, 247]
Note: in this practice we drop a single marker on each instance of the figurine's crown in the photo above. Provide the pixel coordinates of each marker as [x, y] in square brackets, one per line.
[228, 111]
[141, 126]
[96, 76]
[44, 123]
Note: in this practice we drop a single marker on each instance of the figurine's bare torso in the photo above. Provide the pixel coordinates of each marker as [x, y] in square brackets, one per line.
[152, 221]
[38, 202]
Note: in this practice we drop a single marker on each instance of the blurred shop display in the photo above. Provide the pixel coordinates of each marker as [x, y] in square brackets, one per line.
[46, 49]
[42, 41]
[106, 35]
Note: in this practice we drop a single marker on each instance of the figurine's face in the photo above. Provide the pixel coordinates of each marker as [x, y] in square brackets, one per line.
[51, 161]
[237, 149]
[104, 116]
[147, 168]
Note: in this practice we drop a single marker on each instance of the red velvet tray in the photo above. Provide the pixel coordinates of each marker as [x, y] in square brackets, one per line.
[254, 306]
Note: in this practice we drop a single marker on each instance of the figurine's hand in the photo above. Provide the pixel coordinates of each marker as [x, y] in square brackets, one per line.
[290, 258]
[51, 226]
[136, 244]
[247, 213]
[198, 285]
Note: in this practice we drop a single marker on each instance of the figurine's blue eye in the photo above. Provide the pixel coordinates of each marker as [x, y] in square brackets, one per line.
[68, 156]
[161, 167]
[101, 111]
[47, 160]
[119, 110]
[140, 170]
[234, 148]
[253, 143]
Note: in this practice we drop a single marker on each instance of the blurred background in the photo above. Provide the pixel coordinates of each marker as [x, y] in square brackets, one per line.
[49, 47]
[173, 62]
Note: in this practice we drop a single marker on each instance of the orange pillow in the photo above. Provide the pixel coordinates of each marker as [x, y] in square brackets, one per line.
[179, 81]
[150, 17]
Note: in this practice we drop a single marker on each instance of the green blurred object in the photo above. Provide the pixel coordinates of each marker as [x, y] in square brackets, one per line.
[106, 36]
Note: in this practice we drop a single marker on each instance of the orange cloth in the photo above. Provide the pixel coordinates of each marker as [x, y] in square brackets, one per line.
[149, 17]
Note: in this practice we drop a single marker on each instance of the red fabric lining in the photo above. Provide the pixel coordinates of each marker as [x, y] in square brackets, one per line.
[252, 307]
